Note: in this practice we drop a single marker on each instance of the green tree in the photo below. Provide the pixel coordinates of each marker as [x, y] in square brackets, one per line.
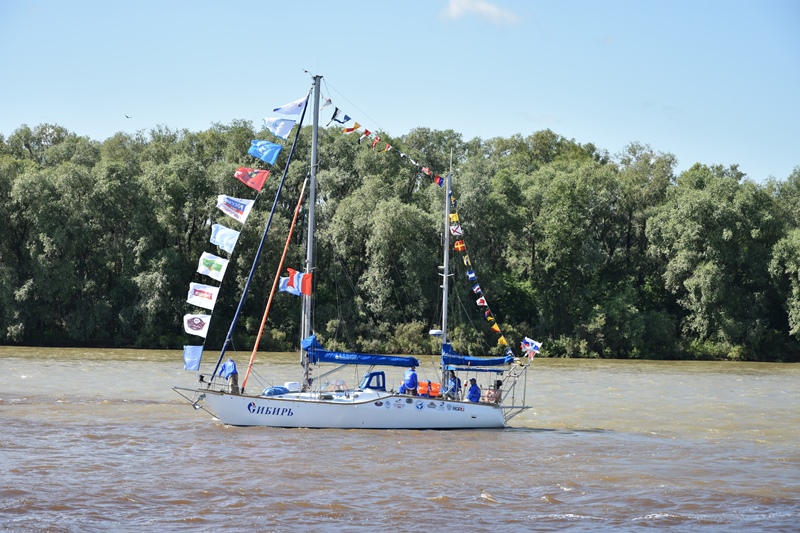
[716, 231]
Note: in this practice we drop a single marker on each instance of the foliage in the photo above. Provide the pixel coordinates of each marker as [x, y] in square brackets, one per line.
[595, 256]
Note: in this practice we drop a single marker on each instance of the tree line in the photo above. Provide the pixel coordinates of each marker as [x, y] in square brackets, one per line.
[592, 254]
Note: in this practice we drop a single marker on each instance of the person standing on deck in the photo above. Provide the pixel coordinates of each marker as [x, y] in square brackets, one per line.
[453, 387]
[474, 392]
[229, 372]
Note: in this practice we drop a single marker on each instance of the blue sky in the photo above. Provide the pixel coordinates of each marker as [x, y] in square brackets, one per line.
[711, 81]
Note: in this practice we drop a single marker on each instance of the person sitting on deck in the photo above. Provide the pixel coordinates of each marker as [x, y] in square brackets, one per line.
[495, 394]
[410, 382]
[474, 392]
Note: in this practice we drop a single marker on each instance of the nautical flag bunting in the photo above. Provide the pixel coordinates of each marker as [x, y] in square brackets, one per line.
[279, 127]
[212, 266]
[204, 296]
[338, 116]
[297, 283]
[351, 130]
[264, 150]
[191, 357]
[236, 208]
[196, 324]
[253, 178]
[292, 108]
[224, 237]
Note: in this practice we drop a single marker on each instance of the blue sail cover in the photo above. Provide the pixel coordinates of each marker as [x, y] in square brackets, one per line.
[449, 357]
[318, 354]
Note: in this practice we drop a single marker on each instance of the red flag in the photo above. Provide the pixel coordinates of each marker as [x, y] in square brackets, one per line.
[375, 142]
[426, 170]
[252, 177]
[460, 246]
[364, 135]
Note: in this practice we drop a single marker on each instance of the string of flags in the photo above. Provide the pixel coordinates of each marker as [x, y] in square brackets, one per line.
[460, 245]
[213, 266]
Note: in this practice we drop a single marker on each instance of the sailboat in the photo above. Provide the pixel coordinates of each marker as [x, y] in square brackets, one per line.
[373, 404]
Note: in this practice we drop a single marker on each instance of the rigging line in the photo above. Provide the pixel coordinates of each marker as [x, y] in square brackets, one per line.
[465, 313]
[352, 288]
[354, 105]
[339, 318]
[396, 293]
[380, 127]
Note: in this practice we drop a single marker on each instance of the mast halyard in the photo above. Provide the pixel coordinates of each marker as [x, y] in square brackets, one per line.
[306, 319]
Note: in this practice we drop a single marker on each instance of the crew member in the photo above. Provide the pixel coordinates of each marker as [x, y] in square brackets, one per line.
[474, 392]
[453, 386]
[410, 382]
[229, 372]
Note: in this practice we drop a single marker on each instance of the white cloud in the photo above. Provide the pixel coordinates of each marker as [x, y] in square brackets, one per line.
[457, 9]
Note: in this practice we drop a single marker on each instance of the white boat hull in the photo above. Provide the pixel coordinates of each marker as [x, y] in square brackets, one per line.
[353, 410]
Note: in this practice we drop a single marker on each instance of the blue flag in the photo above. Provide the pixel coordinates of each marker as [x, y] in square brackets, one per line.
[191, 357]
[265, 151]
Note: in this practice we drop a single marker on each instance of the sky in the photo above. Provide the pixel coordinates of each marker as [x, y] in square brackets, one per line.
[710, 81]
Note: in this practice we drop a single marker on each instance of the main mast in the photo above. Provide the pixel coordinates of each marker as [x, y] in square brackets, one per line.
[446, 262]
[305, 322]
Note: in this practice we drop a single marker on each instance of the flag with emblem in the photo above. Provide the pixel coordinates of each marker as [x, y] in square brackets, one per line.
[236, 208]
[204, 296]
[253, 178]
[196, 324]
[264, 150]
[212, 266]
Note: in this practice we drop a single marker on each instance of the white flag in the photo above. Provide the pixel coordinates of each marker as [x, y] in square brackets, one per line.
[212, 266]
[196, 324]
[237, 208]
[293, 108]
[280, 127]
[224, 237]
[204, 296]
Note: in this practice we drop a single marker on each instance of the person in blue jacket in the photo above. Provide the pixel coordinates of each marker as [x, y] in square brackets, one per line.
[410, 382]
[474, 392]
[453, 387]
[229, 372]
